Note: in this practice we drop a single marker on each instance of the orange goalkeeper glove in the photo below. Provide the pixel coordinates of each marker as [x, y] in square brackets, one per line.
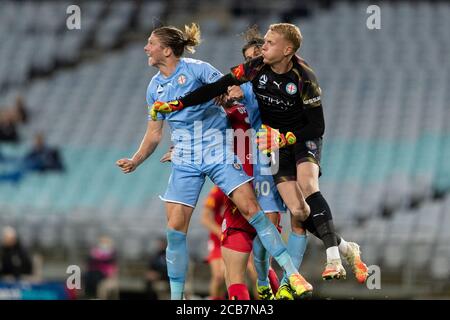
[269, 139]
[165, 107]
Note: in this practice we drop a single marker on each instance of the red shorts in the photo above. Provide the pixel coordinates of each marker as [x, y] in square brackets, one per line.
[237, 233]
[238, 240]
[214, 251]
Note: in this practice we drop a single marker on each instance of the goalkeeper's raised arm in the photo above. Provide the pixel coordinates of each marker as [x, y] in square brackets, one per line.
[238, 75]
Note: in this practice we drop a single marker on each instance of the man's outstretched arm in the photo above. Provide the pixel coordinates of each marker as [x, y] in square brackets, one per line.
[198, 96]
[240, 74]
[209, 91]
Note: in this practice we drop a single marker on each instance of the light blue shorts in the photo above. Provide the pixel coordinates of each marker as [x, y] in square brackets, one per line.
[186, 180]
[267, 194]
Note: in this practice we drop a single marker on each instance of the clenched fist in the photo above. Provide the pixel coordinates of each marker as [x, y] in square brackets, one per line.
[127, 165]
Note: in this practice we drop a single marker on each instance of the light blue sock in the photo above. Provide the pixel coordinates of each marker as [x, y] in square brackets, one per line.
[296, 247]
[176, 290]
[177, 262]
[271, 240]
[261, 259]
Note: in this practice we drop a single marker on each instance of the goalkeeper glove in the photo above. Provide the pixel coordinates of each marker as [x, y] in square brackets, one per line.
[165, 107]
[269, 139]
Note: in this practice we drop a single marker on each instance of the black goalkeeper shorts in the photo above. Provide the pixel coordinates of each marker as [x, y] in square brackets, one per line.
[290, 157]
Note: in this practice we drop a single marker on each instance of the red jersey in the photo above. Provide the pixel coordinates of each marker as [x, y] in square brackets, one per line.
[239, 120]
[216, 202]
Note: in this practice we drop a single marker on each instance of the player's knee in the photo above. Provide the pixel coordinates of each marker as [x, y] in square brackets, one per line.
[298, 230]
[308, 185]
[177, 223]
[297, 226]
[218, 277]
[301, 211]
[250, 208]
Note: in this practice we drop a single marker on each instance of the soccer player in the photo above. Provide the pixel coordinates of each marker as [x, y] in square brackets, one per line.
[212, 217]
[198, 152]
[289, 99]
[238, 237]
[297, 240]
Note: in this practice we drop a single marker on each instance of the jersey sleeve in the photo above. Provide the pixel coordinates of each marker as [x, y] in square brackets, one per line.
[206, 73]
[150, 98]
[311, 92]
[247, 71]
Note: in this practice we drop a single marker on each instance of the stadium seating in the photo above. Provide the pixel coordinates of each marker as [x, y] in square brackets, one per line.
[386, 147]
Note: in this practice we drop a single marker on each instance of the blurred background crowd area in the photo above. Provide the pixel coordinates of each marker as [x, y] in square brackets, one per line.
[72, 102]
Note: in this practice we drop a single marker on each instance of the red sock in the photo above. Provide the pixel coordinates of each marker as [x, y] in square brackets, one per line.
[274, 282]
[238, 291]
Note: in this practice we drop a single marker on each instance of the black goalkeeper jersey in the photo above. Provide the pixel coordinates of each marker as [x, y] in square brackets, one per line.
[282, 98]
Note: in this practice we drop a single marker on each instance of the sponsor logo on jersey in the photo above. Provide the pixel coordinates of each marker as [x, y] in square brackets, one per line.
[312, 100]
[277, 84]
[291, 88]
[280, 103]
[159, 89]
[242, 110]
[181, 79]
[213, 76]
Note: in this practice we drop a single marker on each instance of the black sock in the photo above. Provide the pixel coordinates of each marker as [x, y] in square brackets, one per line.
[308, 224]
[322, 219]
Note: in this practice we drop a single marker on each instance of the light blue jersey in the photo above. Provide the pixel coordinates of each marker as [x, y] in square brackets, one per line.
[202, 147]
[265, 188]
[194, 128]
[251, 104]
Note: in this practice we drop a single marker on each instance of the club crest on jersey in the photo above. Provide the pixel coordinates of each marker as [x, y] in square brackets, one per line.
[311, 145]
[181, 79]
[291, 88]
[237, 166]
